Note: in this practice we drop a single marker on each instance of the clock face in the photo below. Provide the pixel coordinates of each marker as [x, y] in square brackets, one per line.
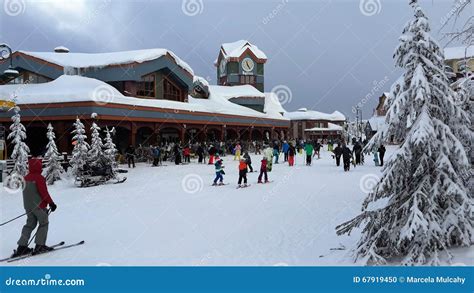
[248, 64]
[222, 67]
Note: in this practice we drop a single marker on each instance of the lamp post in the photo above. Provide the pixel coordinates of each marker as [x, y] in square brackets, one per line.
[6, 53]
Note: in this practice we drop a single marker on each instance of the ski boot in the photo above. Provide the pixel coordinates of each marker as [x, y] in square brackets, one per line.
[22, 250]
[260, 181]
[267, 181]
[221, 183]
[214, 184]
[42, 249]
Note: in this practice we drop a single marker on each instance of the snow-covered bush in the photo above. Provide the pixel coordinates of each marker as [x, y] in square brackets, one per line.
[53, 170]
[96, 152]
[110, 151]
[20, 149]
[81, 148]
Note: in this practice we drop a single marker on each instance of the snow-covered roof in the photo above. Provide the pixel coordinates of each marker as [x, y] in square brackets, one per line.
[458, 52]
[376, 122]
[87, 60]
[200, 79]
[305, 114]
[236, 91]
[73, 88]
[236, 49]
[331, 127]
[272, 103]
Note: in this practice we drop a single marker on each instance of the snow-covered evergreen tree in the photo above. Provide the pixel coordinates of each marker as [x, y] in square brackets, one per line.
[53, 170]
[428, 207]
[464, 98]
[110, 151]
[81, 148]
[96, 152]
[20, 149]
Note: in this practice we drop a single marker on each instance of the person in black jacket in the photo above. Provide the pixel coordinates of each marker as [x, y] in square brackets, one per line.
[248, 160]
[130, 155]
[200, 153]
[177, 154]
[381, 151]
[346, 157]
[357, 150]
[338, 154]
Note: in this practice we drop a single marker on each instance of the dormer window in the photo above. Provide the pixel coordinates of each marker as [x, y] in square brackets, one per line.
[146, 88]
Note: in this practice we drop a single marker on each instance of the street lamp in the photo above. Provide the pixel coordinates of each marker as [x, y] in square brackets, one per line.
[6, 53]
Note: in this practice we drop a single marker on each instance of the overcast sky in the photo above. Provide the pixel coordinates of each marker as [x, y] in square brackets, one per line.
[329, 53]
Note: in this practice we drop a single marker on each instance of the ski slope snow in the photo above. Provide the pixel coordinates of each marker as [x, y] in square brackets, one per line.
[171, 215]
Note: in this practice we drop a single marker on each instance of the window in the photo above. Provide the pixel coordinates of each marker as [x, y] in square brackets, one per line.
[171, 92]
[146, 88]
[247, 79]
[29, 77]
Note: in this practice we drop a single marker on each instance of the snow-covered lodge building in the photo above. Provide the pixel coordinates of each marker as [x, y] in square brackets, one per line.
[313, 125]
[459, 60]
[147, 95]
[151, 96]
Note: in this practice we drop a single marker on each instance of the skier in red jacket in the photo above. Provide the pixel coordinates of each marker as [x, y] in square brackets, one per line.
[35, 200]
[263, 171]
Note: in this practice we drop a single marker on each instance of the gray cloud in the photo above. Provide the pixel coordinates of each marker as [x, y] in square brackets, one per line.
[329, 53]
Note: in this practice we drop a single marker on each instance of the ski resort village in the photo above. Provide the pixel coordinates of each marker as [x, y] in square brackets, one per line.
[135, 158]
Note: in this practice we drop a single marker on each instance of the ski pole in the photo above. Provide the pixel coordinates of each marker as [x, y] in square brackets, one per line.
[34, 236]
[4, 223]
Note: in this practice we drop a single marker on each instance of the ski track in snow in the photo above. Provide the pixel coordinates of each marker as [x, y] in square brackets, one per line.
[151, 220]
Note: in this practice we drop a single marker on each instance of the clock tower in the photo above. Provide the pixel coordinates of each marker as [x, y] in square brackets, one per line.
[241, 63]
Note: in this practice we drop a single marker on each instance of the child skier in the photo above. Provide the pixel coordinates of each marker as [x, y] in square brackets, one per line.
[35, 200]
[242, 173]
[263, 171]
[219, 173]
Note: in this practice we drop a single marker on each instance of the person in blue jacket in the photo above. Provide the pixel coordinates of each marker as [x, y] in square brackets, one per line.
[285, 147]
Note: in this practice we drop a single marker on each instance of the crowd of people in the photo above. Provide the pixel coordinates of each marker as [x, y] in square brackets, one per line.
[211, 153]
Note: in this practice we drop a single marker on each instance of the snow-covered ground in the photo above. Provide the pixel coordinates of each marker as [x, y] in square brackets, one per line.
[171, 215]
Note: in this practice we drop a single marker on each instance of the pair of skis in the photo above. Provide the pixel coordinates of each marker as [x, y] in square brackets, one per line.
[58, 246]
